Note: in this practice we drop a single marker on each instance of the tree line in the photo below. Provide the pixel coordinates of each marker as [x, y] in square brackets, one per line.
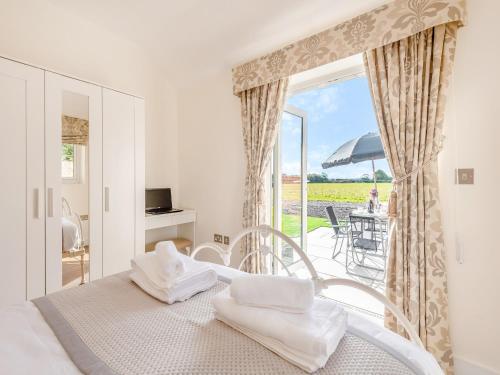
[323, 178]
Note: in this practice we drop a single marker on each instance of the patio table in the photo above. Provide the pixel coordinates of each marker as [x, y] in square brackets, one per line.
[380, 215]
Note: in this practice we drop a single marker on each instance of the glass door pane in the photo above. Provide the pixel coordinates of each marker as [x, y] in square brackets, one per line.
[290, 212]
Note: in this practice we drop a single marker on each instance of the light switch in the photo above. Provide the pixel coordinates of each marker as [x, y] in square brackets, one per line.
[465, 176]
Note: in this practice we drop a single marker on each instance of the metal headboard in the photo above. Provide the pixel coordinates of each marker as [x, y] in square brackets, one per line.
[319, 283]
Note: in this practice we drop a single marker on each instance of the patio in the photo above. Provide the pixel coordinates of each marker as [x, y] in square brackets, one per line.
[319, 249]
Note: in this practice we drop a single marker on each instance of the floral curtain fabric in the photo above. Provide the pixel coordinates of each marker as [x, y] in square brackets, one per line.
[75, 130]
[261, 110]
[381, 26]
[408, 81]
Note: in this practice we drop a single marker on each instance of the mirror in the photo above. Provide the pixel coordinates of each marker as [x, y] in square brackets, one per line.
[75, 189]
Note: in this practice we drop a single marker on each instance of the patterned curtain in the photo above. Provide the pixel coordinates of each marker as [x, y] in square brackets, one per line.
[75, 130]
[261, 110]
[408, 82]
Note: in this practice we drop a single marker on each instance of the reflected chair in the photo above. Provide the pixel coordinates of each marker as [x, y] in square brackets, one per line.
[368, 250]
[340, 231]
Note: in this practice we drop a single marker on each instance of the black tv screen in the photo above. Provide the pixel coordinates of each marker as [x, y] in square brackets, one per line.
[158, 198]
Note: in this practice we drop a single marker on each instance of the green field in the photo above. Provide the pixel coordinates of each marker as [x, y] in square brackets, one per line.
[290, 224]
[336, 192]
[329, 192]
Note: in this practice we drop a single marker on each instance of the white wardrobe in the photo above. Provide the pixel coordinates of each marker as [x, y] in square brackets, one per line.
[32, 104]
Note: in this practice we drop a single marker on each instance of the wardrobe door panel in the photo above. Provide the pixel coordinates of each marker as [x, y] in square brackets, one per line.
[140, 175]
[73, 162]
[118, 181]
[22, 242]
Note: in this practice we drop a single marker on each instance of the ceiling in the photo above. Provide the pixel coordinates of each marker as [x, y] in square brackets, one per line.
[195, 39]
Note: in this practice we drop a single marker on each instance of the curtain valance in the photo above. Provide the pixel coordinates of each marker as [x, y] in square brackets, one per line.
[378, 27]
[75, 130]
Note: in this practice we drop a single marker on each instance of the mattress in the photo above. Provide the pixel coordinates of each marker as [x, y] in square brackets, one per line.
[134, 333]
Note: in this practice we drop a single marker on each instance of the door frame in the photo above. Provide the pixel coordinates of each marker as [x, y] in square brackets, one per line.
[277, 185]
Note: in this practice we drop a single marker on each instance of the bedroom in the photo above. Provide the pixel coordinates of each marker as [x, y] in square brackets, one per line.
[178, 56]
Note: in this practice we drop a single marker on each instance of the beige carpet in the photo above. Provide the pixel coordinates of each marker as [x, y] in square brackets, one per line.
[71, 273]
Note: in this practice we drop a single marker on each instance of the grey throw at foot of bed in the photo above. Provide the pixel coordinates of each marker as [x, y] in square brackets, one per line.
[112, 327]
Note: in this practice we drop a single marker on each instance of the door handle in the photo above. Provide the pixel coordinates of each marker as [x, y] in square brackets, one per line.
[106, 199]
[36, 203]
[50, 202]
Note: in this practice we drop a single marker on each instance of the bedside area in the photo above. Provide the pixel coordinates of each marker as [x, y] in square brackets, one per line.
[178, 227]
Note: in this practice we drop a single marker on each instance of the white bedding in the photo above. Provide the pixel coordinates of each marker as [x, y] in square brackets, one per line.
[69, 234]
[28, 345]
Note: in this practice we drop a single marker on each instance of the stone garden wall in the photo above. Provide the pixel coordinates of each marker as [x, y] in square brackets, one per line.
[317, 208]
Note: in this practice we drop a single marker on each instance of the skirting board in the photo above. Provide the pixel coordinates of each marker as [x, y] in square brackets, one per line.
[463, 367]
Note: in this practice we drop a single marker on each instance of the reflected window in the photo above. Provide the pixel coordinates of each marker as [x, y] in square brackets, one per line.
[71, 163]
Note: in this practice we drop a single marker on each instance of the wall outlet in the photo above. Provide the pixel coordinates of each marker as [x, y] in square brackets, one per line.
[465, 176]
[226, 240]
[218, 238]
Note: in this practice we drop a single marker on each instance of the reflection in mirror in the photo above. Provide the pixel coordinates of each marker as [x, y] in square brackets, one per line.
[75, 189]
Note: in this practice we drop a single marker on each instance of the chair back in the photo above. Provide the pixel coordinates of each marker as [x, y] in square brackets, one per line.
[333, 219]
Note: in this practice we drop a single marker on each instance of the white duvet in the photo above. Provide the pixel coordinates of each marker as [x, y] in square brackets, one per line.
[28, 345]
[69, 234]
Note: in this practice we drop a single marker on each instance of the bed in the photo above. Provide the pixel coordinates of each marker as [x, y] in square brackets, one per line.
[72, 236]
[111, 326]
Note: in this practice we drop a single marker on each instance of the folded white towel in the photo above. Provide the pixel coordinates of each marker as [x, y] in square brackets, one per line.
[198, 277]
[306, 340]
[288, 294]
[170, 260]
[161, 266]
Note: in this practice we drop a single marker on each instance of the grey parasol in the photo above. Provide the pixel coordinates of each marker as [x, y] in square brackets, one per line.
[366, 147]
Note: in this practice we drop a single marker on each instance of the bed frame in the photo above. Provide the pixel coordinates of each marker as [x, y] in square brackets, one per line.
[320, 284]
[81, 249]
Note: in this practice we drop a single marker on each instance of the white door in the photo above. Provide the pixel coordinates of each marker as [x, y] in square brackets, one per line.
[119, 181]
[22, 224]
[290, 183]
[82, 189]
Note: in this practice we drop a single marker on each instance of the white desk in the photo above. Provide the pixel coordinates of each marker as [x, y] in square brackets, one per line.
[184, 221]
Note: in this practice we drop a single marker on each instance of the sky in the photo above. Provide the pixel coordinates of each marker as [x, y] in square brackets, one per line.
[336, 114]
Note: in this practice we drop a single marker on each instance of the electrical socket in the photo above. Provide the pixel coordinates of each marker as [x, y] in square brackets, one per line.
[226, 240]
[464, 176]
[218, 238]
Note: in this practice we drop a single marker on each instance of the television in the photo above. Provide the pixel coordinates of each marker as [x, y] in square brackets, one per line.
[159, 201]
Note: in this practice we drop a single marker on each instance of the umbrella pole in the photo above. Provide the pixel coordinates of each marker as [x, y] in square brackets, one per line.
[374, 176]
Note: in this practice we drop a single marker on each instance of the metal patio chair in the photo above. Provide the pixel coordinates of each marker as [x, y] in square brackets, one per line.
[340, 231]
[368, 244]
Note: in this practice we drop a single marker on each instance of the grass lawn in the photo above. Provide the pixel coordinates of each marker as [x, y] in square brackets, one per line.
[336, 192]
[290, 224]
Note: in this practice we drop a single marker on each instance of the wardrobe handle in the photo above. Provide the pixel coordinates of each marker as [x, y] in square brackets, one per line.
[36, 203]
[106, 199]
[50, 202]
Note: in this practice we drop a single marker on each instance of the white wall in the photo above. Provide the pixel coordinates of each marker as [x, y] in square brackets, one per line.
[211, 157]
[38, 32]
[471, 212]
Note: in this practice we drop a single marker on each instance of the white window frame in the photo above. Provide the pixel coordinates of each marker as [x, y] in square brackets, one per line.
[347, 74]
[77, 167]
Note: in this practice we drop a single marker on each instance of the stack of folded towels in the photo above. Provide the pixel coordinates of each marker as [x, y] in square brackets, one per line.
[169, 275]
[282, 314]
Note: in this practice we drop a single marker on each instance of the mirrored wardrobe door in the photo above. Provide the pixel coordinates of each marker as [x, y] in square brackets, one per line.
[73, 181]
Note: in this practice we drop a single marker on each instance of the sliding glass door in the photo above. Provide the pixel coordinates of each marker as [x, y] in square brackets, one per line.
[290, 183]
